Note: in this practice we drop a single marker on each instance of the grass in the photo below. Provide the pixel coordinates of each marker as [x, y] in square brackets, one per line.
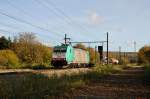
[37, 86]
[147, 73]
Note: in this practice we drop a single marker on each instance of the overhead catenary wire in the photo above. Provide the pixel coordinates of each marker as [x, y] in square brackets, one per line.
[25, 22]
[28, 14]
[2, 12]
[69, 20]
[19, 9]
[61, 15]
[10, 26]
[16, 28]
[66, 16]
[19, 20]
[58, 15]
[6, 31]
[22, 21]
[10, 34]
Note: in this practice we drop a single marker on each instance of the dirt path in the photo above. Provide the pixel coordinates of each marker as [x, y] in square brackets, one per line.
[127, 84]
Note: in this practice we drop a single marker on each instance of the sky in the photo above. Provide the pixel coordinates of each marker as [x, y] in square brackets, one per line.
[126, 21]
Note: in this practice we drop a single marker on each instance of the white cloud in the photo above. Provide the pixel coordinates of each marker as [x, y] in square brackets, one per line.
[95, 18]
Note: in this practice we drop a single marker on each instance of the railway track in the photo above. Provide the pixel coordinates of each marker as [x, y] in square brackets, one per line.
[46, 72]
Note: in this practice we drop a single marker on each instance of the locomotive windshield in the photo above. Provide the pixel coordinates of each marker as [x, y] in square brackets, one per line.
[60, 49]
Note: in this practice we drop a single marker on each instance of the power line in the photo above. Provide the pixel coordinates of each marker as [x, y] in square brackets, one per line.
[25, 22]
[24, 12]
[89, 42]
[21, 10]
[61, 14]
[10, 26]
[9, 32]
[13, 28]
[43, 4]
[69, 20]
[6, 31]
[134, 46]
[65, 16]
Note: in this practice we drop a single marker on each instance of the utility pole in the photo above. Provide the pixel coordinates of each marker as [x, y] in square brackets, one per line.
[92, 42]
[95, 55]
[66, 38]
[107, 49]
[135, 46]
[119, 53]
[135, 52]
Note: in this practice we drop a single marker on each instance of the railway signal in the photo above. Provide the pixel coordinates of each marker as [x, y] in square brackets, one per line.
[66, 39]
[100, 50]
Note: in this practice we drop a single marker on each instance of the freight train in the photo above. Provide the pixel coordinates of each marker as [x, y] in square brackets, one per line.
[67, 55]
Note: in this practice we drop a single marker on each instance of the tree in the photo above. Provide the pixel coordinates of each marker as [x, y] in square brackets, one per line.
[5, 43]
[8, 58]
[81, 46]
[144, 54]
[30, 51]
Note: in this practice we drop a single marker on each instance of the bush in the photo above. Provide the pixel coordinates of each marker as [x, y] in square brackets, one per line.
[30, 51]
[147, 72]
[124, 61]
[5, 43]
[144, 55]
[8, 58]
[3, 60]
[106, 69]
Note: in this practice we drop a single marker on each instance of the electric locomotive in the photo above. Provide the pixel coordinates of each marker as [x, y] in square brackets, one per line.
[67, 55]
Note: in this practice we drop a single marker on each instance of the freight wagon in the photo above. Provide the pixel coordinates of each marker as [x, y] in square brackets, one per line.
[67, 55]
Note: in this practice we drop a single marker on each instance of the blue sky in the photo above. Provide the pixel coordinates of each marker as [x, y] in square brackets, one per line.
[83, 20]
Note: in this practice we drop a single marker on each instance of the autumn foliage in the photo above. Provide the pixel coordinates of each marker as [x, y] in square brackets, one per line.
[30, 51]
[8, 58]
[144, 54]
[24, 49]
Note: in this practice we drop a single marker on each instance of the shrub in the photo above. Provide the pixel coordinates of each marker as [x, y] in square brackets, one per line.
[147, 73]
[124, 61]
[30, 51]
[8, 58]
[3, 61]
[5, 43]
[106, 69]
[144, 55]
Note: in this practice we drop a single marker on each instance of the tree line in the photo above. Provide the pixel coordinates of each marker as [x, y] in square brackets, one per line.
[24, 51]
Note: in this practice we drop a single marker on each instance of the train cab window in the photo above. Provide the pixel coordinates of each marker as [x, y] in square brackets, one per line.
[60, 50]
